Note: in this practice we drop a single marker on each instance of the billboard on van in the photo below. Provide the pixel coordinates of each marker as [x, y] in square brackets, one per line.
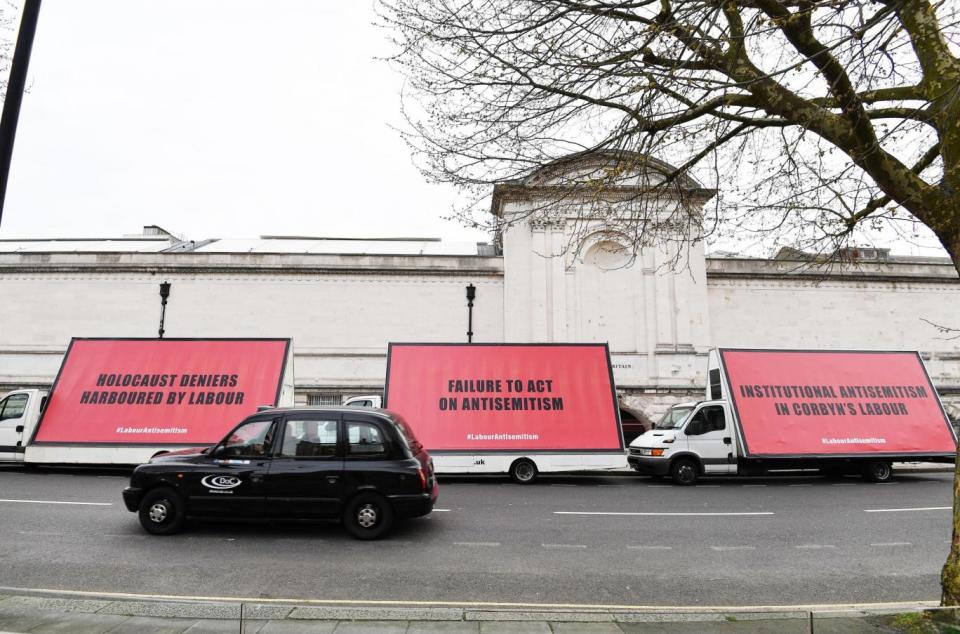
[505, 397]
[160, 391]
[803, 402]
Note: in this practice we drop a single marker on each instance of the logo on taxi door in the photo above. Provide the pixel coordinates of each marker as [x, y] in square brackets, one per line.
[221, 482]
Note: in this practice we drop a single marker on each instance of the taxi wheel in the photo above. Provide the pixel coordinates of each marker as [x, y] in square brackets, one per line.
[162, 512]
[368, 516]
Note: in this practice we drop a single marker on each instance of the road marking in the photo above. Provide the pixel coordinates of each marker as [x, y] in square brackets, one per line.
[479, 604]
[40, 533]
[799, 485]
[813, 546]
[661, 514]
[723, 548]
[919, 508]
[564, 545]
[611, 486]
[441, 510]
[58, 502]
[887, 544]
[649, 547]
[479, 544]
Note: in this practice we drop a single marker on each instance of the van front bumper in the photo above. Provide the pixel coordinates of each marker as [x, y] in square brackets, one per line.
[649, 465]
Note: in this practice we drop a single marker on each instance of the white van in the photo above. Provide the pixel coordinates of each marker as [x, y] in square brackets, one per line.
[836, 412]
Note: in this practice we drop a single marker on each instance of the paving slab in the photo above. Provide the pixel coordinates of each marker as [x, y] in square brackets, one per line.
[516, 627]
[153, 625]
[845, 625]
[215, 626]
[586, 628]
[80, 623]
[291, 627]
[376, 614]
[443, 627]
[177, 610]
[21, 622]
[371, 627]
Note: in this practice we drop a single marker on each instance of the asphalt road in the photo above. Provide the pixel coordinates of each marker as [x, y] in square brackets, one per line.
[617, 540]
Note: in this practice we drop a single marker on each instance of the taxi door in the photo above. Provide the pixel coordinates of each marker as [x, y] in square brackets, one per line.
[232, 479]
[306, 474]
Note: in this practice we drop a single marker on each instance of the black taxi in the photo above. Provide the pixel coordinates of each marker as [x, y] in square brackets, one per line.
[362, 466]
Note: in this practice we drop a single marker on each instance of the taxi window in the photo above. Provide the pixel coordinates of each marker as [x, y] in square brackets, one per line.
[365, 439]
[251, 440]
[309, 439]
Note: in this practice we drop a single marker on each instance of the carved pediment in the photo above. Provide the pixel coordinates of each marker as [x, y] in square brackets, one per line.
[601, 175]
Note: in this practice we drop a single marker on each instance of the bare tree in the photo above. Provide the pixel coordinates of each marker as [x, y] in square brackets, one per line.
[811, 118]
[8, 15]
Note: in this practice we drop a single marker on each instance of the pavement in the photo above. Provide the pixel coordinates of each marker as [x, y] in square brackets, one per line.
[93, 614]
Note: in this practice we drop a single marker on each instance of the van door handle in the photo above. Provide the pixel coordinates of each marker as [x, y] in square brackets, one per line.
[726, 440]
[19, 429]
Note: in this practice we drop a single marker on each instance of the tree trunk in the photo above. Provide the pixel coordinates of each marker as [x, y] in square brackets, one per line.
[950, 575]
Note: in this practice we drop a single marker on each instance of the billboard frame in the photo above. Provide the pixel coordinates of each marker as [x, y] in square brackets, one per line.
[518, 450]
[731, 398]
[46, 443]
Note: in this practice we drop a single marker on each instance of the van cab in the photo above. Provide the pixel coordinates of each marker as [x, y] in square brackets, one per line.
[361, 466]
[691, 439]
[19, 412]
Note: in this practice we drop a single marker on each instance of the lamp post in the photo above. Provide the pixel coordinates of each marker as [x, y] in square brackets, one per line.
[471, 295]
[164, 294]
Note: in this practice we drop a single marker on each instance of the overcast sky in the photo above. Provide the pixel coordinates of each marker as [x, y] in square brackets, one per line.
[226, 118]
[213, 119]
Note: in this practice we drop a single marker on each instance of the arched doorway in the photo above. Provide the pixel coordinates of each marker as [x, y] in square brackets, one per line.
[633, 424]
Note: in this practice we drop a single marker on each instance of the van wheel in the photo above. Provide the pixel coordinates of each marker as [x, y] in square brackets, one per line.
[684, 471]
[523, 471]
[162, 512]
[878, 471]
[368, 516]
